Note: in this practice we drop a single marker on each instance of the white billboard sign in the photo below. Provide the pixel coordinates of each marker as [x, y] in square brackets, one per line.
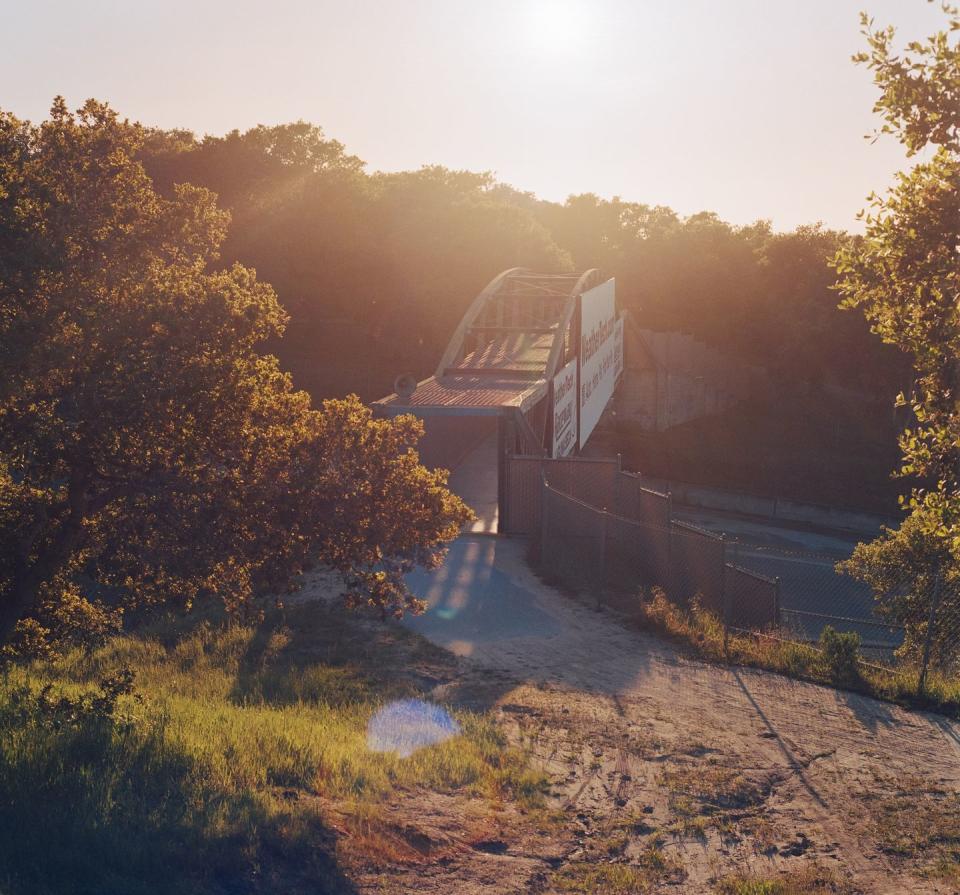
[597, 379]
[565, 410]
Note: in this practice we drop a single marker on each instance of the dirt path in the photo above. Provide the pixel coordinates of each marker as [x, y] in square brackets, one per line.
[725, 771]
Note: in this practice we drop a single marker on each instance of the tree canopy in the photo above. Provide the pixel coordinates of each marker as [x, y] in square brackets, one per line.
[905, 273]
[149, 452]
[402, 255]
[905, 276]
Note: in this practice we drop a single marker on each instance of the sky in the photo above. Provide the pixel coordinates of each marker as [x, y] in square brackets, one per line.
[749, 108]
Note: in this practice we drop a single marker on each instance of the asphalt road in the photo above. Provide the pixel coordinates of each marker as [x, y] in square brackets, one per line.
[812, 594]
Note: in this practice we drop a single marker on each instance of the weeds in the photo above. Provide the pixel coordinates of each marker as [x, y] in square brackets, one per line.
[834, 663]
[841, 652]
[212, 776]
[704, 795]
[915, 821]
[812, 879]
[645, 874]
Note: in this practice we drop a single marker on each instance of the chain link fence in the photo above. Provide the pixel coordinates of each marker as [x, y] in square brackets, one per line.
[813, 595]
[588, 548]
[940, 632]
[605, 534]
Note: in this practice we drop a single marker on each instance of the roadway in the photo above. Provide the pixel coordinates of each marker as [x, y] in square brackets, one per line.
[803, 559]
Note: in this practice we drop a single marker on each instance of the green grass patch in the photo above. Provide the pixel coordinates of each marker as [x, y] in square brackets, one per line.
[213, 775]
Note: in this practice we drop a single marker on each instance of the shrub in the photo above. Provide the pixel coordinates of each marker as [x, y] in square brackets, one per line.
[841, 649]
[203, 761]
[51, 710]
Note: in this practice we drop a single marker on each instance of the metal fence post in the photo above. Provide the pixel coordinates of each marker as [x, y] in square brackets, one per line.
[668, 584]
[503, 521]
[544, 516]
[603, 557]
[725, 597]
[776, 602]
[928, 640]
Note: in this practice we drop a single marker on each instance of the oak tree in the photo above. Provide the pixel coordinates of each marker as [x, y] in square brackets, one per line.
[149, 453]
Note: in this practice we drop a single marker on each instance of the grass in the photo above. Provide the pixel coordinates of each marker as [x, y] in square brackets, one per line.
[220, 772]
[708, 795]
[651, 869]
[811, 879]
[703, 631]
[915, 821]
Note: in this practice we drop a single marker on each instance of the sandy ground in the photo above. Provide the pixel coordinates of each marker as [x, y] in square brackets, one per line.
[728, 770]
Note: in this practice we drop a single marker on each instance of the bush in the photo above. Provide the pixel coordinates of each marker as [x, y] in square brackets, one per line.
[46, 709]
[841, 649]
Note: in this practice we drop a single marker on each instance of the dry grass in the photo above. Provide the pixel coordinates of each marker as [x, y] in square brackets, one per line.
[812, 879]
[703, 632]
[916, 823]
[707, 795]
[651, 869]
[216, 778]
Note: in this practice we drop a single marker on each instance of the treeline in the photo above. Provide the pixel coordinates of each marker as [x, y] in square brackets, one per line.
[376, 269]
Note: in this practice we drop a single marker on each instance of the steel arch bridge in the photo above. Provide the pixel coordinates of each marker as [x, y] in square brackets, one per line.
[490, 397]
[512, 340]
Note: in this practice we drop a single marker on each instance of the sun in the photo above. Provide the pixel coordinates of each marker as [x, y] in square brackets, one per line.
[556, 25]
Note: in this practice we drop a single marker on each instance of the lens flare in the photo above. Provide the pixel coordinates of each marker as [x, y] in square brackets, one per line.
[405, 725]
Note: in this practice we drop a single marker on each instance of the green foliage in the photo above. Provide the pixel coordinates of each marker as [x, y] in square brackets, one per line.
[401, 255]
[216, 772]
[375, 270]
[810, 879]
[841, 649]
[919, 90]
[703, 632]
[394, 260]
[148, 451]
[903, 273]
[650, 872]
[904, 567]
[43, 709]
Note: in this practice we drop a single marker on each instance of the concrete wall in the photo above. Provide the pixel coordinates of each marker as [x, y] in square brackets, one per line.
[671, 378]
[708, 498]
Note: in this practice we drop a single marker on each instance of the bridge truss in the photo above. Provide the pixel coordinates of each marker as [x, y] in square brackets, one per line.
[515, 336]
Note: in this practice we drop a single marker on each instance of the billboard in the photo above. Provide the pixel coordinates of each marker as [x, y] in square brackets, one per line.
[565, 410]
[597, 360]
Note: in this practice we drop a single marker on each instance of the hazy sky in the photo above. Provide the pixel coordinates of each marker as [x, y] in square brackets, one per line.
[750, 108]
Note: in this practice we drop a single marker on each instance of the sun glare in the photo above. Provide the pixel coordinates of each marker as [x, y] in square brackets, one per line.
[556, 25]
